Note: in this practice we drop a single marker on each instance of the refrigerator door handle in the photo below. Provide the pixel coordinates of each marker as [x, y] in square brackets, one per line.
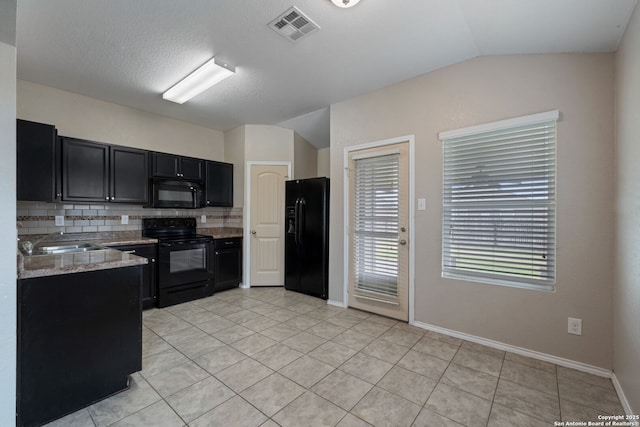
[295, 221]
[300, 221]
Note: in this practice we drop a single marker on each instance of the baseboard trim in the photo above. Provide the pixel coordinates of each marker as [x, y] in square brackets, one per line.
[567, 363]
[623, 398]
[336, 303]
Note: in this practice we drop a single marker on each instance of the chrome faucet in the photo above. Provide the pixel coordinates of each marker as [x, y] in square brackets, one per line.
[27, 246]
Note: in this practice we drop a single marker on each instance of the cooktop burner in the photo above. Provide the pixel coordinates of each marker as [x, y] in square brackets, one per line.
[172, 229]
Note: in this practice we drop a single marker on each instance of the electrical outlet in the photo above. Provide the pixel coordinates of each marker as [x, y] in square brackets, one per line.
[124, 219]
[422, 205]
[203, 218]
[574, 326]
[59, 220]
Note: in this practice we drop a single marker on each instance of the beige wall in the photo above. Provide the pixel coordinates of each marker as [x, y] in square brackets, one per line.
[234, 153]
[305, 158]
[484, 90]
[7, 213]
[626, 303]
[264, 143]
[324, 162]
[89, 118]
[268, 143]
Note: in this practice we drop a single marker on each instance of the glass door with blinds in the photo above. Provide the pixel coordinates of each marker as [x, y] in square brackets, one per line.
[378, 230]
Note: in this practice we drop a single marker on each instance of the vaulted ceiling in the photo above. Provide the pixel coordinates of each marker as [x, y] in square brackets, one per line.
[129, 52]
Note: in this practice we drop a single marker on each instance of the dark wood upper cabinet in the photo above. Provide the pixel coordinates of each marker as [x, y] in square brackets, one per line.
[53, 169]
[219, 184]
[165, 165]
[129, 181]
[85, 170]
[172, 166]
[192, 168]
[37, 174]
[94, 172]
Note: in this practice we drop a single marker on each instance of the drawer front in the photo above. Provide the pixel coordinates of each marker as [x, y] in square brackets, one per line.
[145, 250]
[231, 242]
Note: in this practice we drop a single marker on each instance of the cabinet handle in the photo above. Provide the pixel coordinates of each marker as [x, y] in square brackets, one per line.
[112, 198]
[58, 195]
[106, 198]
[228, 243]
[153, 260]
[130, 252]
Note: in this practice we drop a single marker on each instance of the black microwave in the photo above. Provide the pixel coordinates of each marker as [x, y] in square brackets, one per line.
[173, 193]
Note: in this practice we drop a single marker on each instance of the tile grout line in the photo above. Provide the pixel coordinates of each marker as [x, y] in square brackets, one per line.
[236, 301]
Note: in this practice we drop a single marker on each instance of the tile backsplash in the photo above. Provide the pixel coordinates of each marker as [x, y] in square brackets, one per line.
[39, 217]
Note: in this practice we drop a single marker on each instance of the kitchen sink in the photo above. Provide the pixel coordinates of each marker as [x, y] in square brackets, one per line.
[65, 249]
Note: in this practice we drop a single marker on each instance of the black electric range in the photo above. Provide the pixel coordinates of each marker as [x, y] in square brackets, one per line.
[185, 259]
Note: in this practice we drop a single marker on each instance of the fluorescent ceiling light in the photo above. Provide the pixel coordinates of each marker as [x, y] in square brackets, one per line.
[210, 73]
[345, 3]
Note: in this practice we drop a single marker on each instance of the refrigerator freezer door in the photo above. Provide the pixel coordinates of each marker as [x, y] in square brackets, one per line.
[306, 249]
[291, 258]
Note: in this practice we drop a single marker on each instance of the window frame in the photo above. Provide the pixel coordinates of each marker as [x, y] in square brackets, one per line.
[495, 277]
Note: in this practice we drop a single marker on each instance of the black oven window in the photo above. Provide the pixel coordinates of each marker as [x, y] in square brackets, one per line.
[187, 260]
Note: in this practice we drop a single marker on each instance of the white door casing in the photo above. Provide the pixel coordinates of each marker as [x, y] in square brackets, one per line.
[379, 226]
[265, 211]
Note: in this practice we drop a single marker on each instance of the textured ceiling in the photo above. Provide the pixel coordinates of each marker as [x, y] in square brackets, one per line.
[129, 52]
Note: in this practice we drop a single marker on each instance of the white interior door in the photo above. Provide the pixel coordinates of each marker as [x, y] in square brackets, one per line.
[379, 230]
[266, 224]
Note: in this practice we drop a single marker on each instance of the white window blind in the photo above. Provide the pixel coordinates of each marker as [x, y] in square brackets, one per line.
[499, 202]
[375, 223]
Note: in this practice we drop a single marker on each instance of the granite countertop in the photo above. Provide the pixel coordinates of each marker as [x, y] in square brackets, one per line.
[127, 241]
[55, 264]
[103, 259]
[222, 232]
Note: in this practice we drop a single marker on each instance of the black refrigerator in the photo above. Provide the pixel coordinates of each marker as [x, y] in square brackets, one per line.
[306, 265]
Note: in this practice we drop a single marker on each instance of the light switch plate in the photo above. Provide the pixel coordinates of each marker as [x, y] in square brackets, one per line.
[203, 218]
[59, 220]
[124, 219]
[422, 204]
[574, 326]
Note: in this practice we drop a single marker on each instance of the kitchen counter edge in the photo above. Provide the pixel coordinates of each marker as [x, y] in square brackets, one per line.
[30, 267]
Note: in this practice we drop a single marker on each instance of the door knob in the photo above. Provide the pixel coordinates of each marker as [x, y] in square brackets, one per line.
[403, 242]
[253, 232]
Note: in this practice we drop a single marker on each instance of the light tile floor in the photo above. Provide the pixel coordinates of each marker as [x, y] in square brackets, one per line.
[269, 357]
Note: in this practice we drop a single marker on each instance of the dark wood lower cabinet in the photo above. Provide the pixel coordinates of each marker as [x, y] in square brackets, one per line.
[228, 263]
[149, 282]
[79, 339]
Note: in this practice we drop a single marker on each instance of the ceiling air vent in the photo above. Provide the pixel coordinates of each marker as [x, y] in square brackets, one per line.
[293, 25]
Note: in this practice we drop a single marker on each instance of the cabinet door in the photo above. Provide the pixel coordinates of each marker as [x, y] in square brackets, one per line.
[228, 263]
[79, 339]
[84, 171]
[191, 168]
[166, 165]
[149, 272]
[36, 156]
[219, 184]
[129, 179]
